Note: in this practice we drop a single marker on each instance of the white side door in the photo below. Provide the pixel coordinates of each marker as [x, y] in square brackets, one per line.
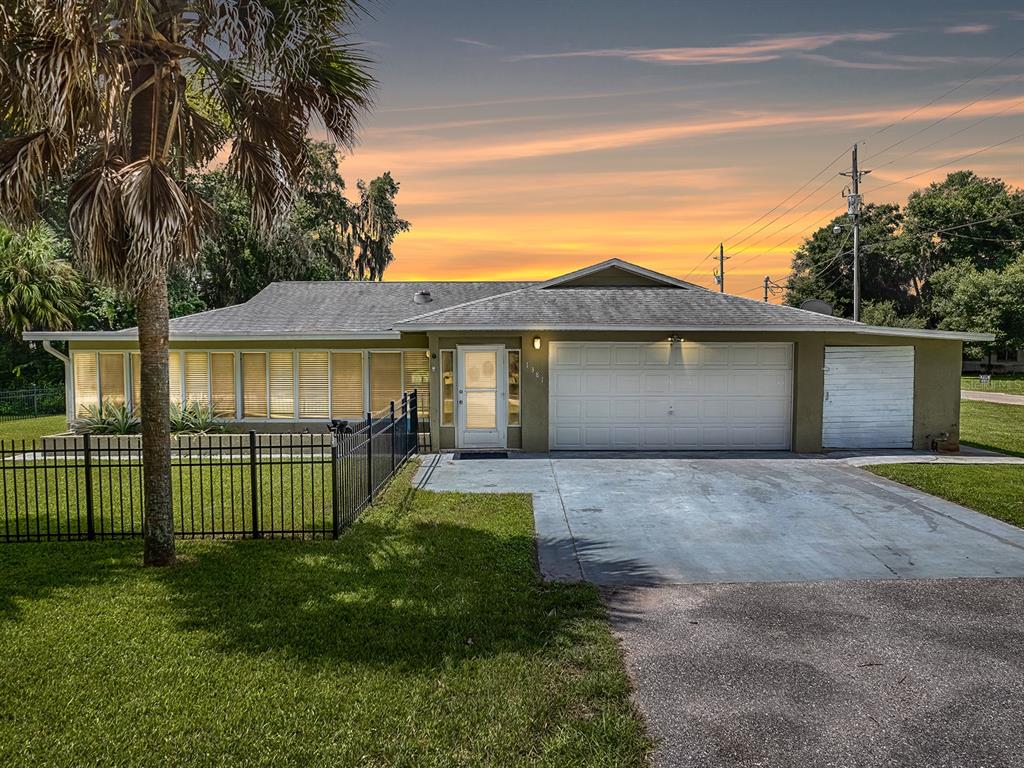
[482, 397]
[869, 397]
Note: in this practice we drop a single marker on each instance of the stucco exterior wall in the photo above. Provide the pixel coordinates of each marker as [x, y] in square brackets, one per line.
[936, 380]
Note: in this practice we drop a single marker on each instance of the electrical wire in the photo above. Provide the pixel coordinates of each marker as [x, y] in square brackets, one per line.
[951, 162]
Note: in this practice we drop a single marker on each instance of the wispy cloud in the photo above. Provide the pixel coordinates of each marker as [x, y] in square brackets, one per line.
[474, 43]
[968, 29]
[832, 61]
[750, 52]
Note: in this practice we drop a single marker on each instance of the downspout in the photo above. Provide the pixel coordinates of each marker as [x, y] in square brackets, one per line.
[69, 406]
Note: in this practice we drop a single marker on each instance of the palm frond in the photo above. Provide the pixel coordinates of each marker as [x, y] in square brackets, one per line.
[27, 163]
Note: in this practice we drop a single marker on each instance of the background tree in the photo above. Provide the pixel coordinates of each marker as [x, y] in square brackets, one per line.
[376, 226]
[136, 94]
[822, 266]
[38, 288]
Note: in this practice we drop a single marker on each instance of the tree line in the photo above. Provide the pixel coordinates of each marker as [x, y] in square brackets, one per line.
[951, 257]
[325, 237]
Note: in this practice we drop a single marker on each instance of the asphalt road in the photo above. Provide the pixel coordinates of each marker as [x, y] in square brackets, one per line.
[870, 673]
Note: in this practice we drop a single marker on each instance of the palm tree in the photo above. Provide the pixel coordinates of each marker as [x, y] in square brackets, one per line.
[38, 289]
[126, 97]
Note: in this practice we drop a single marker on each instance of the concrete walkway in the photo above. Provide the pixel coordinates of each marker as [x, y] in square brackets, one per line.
[992, 397]
[635, 519]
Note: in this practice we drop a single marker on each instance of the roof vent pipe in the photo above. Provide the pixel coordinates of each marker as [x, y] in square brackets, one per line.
[422, 297]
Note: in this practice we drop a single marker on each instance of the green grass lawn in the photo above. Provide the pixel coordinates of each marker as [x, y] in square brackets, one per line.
[32, 429]
[995, 426]
[422, 638]
[1010, 383]
[996, 490]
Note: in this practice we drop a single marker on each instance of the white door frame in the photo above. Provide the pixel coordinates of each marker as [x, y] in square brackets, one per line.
[478, 438]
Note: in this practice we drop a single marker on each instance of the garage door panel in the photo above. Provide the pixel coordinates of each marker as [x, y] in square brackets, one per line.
[656, 396]
[869, 397]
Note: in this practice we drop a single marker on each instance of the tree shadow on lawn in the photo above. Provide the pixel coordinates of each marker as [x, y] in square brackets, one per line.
[34, 571]
[410, 593]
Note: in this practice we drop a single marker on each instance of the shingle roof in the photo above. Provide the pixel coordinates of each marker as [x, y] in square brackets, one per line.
[533, 307]
[331, 307]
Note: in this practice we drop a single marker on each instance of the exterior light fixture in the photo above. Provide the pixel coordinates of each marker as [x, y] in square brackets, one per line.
[536, 342]
[675, 338]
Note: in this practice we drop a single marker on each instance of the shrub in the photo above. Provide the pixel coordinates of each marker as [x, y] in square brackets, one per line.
[194, 418]
[108, 419]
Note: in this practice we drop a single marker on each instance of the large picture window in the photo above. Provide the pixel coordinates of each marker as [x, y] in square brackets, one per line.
[112, 377]
[222, 383]
[385, 379]
[254, 385]
[416, 375]
[282, 385]
[347, 386]
[313, 385]
[87, 382]
[197, 378]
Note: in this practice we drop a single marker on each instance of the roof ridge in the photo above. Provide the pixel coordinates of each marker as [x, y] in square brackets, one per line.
[464, 304]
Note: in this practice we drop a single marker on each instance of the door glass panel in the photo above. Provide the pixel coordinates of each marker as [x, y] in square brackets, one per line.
[481, 409]
[481, 370]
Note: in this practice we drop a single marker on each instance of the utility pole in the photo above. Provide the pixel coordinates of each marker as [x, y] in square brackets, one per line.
[720, 275]
[853, 211]
[767, 282]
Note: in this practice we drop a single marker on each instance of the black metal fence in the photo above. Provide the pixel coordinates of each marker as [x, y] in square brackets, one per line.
[28, 403]
[223, 486]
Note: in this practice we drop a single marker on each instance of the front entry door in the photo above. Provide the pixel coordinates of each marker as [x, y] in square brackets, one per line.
[483, 399]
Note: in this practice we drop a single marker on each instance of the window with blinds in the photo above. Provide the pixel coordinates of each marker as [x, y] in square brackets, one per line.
[282, 385]
[197, 378]
[222, 383]
[254, 385]
[347, 385]
[136, 359]
[447, 388]
[313, 379]
[513, 388]
[416, 375]
[87, 391]
[112, 377]
[174, 367]
[385, 379]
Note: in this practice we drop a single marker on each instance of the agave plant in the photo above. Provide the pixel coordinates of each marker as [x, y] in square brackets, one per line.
[108, 419]
[126, 98]
[194, 418]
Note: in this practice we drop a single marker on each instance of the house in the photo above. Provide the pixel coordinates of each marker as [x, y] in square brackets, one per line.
[613, 356]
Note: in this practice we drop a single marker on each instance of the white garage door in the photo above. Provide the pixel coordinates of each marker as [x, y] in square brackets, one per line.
[662, 396]
[869, 397]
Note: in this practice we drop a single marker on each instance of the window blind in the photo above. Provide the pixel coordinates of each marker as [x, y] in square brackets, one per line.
[347, 385]
[313, 396]
[197, 378]
[86, 382]
[282, 385]
[254, 385]
[385, 379]
[416, 374]
[222, 381]
[174, 365]
[112, 378]
[136, 380]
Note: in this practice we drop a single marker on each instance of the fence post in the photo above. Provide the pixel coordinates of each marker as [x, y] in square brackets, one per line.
[393, 437]
[414, 419]
[335, 490]
[90, 522]
[369, 456]
[254, 499]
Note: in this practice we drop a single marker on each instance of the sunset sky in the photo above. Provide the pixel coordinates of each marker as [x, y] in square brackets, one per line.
[532, 138]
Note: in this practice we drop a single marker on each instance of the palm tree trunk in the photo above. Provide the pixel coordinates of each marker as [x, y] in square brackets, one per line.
[156, 426]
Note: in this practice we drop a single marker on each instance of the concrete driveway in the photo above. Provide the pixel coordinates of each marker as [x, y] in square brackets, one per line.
[634, 520]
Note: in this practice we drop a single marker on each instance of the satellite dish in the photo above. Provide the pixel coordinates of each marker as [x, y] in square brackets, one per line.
[817, 305]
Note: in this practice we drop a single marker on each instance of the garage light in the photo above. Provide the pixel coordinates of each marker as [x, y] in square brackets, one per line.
[675, 339]
[536, 342]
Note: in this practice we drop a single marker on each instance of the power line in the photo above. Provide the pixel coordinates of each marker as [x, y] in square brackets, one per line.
[952, 90]
[951, 162]
[781, 215]
[942, 119]
[694, 268]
